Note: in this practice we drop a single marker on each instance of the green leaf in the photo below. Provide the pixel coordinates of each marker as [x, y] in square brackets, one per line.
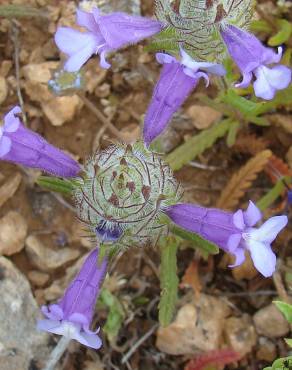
[57, 185]
[197, 145]
[282, 98]
[246, 107]
[197, 240]
[24, 11]
[273, 194]
[286, 59]
[260, 26]
[288, 341]
[284, 33]
[286, 310]
[115, 316]
[281, 364]
[168, 279]
[232, 132]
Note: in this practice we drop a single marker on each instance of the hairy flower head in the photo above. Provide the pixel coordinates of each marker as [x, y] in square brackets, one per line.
[196, 23]
[123, 193]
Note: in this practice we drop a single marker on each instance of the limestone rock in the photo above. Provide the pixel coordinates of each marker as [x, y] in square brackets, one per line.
[266, 350]
[58, 110]
[3, 89]
[8, 189]
[270, 322]
[197, 327]
[20, 343]
[203, 116]
[39, 73]
[240, 334]
[38, 278]
[61, 109]
[13, 230]
[47, 259]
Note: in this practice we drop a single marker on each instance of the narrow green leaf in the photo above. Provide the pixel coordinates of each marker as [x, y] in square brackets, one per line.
[115, 316]
[24, 11]
[232, 132]
[168, 279]
[197, 240]
[56, 184]
[197, 145]
[286, 310]
[288, 341]
[273, 194]
[284, 33]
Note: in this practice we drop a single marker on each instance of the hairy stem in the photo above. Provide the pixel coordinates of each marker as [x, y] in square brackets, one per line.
[57, 353]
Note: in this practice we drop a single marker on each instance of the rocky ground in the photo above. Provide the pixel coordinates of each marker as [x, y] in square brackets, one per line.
[42, 243]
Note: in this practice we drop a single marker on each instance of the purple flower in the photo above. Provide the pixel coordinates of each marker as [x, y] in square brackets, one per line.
[176, 82]
[252, 58]
[105, 33]
[23, 146]
[72, 315]
[289, 196]
[233, 232]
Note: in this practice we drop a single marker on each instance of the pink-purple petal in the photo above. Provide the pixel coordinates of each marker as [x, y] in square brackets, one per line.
[252, 215]
[163, 58]
[246, 80]
[212, 224]
[171, 90]
[86, 20]
[121, 29]
[279, 76]
[5, 146]
[268, 232]
[263, 258]
[48, 325]
[11, 121]
[239, 255]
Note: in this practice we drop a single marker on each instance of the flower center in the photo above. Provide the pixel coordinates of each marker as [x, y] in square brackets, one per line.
[123, 193]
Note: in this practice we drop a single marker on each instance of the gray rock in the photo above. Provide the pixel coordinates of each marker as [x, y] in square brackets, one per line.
[20, 343]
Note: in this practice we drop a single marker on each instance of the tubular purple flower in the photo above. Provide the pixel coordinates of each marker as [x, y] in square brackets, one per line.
[177, 80]
[72, 315]
[23, 146]
[233, 232]
[252, 58]
[105, 33]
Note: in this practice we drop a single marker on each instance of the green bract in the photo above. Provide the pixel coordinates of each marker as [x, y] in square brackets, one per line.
[124, 191]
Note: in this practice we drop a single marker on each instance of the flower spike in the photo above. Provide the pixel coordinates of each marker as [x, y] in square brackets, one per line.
[233, 232]
[177, 80]
[252, 58]
[23, 146]
[104, 34]
[72, 315]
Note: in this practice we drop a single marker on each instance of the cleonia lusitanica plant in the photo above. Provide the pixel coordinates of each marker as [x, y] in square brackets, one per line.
[127, 195]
